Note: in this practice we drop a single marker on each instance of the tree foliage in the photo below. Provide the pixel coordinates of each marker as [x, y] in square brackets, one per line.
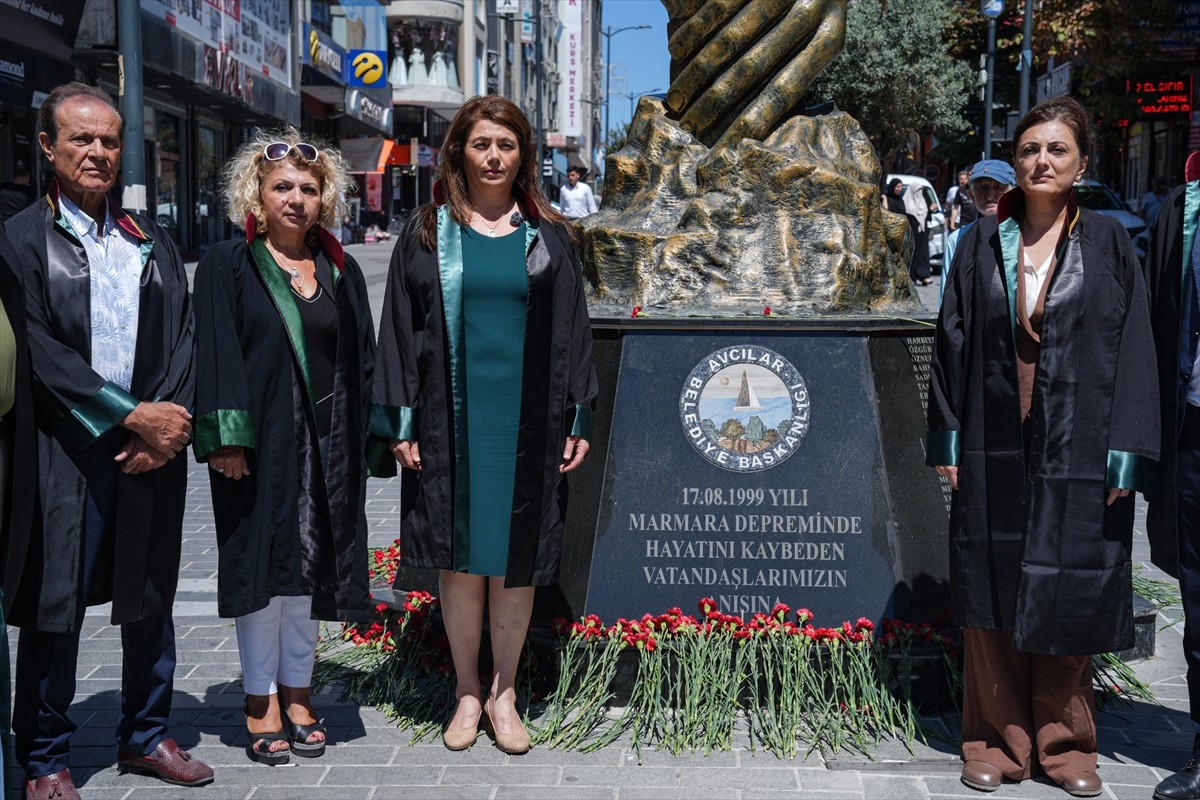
[896, 75]
[732, 429]
[755, 430]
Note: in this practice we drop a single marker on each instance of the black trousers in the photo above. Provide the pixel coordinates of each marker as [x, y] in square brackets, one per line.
[46, 662]
[1187, 482]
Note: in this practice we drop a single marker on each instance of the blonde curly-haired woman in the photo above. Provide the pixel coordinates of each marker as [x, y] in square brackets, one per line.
[285, 351]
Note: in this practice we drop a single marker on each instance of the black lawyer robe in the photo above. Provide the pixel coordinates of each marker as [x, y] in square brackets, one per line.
[289, 528]
[21, 433]
[1033, 547]
[75, 407]
[415, 398]
[1164, 272]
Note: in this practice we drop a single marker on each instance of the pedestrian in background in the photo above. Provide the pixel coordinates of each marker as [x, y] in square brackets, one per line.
[919, 207]
[285, 351]
[110, 338]
[575, 200]
[15, 194]
[962, 211]
[1043, 416]
[1153, 201]
[1173, 518]
[485, 388]
[990, 179]
[953, 193]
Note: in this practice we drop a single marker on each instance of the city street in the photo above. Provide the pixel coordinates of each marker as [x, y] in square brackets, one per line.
[371, 759]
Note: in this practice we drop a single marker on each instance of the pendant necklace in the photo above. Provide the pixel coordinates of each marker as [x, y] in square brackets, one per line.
[492, 229]
[514, 220]
[297, 282]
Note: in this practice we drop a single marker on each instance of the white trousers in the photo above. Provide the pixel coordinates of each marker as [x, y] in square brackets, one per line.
[278, 645]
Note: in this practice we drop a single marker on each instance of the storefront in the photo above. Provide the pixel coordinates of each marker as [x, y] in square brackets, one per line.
[35, 56]
[210, 75]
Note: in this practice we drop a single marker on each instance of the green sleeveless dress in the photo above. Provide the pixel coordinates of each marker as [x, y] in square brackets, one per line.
[495, 288]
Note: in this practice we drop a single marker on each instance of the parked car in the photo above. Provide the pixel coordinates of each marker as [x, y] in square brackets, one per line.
[937, 230]
[1096, 196]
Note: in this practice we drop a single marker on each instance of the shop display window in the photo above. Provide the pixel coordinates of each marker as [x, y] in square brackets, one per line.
[424, 53]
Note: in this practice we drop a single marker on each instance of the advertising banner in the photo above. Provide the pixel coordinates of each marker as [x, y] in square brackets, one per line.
[253, 33]
[47, 27]
[570, 68]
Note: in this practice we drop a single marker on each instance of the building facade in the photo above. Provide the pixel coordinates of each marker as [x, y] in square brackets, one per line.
[381, 79]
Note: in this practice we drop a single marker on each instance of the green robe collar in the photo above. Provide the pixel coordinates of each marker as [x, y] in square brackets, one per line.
[1191, 209]
[285, 303]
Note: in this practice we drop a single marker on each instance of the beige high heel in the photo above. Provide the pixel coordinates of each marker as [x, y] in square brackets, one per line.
[514, 744]
[462, 738]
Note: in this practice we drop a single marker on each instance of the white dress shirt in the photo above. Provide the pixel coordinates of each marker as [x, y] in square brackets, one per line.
[115, 274]
[1034, 278]
[578, 202]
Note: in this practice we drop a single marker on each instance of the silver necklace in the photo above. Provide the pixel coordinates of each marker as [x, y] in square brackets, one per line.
[281, 262]
[515, 219]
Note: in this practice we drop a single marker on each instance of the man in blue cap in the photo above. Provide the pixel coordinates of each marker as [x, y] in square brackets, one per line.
[990, 179]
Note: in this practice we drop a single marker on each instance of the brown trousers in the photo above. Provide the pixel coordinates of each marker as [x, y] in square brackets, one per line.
[1014, 702]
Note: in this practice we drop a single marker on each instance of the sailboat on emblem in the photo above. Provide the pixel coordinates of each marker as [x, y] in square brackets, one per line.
[747, 400]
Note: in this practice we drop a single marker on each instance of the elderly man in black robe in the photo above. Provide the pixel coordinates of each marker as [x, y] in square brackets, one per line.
[110, 339]
[1173, 519]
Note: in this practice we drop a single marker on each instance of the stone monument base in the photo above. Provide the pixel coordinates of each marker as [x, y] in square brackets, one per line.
[754, 461]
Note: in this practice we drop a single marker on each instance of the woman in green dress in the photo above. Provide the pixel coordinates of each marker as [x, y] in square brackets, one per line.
[484, 386]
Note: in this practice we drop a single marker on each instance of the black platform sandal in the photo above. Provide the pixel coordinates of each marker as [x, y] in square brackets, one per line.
[259, 748]
[299, 735]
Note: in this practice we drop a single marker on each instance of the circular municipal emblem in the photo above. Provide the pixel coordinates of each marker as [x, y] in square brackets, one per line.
[744, 408]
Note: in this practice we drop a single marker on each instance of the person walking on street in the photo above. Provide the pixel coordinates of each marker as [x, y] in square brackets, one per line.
[920, 207]
[1043, 418]
[575, 200]
[110, 337]
[1154, 199]
[1173, 516]
[953, 193]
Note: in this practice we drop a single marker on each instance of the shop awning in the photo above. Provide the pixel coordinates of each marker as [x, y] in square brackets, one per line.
[367, 154]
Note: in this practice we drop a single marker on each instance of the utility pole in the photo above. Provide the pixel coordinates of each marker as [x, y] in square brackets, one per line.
[991, 9]
[133, 159]
[987, 92]
[541, 82]
[1026, 57]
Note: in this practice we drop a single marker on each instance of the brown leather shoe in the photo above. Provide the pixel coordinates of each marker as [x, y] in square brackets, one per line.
[168, 763]
[58, 786]
[1082, 784]
[981, 775]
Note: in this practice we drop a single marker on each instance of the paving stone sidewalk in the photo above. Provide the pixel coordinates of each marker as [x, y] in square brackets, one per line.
[371, 760]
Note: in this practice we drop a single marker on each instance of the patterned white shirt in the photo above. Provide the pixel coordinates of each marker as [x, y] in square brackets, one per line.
[115, 274]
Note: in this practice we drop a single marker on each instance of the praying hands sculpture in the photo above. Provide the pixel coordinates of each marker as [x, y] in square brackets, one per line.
[724, 200]
[740, 67]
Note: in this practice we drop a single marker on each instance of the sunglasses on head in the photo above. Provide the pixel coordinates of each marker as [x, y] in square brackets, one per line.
[277, 151]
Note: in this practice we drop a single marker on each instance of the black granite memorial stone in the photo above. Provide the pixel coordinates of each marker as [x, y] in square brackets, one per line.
[778, 462]
[754, 462]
